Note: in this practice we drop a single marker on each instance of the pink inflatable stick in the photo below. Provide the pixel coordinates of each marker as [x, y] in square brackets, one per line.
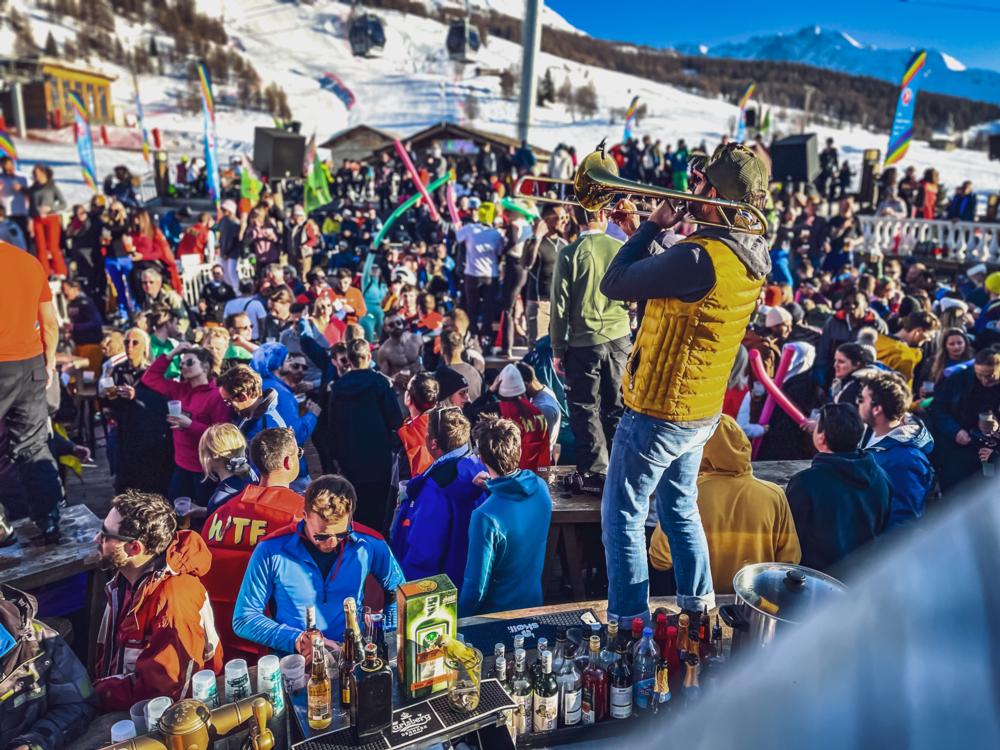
[449, 194]
[787, 354]
[408, 163]
[773, 390]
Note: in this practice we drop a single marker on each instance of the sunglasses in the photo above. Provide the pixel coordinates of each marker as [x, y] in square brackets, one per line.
[110, 536]
[339, 537]
[189, 362]
[296, 367]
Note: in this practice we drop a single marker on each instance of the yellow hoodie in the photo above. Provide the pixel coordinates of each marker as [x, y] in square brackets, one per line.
[746, 520]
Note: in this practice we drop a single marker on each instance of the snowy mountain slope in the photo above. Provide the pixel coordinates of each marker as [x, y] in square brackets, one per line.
[415, 85]
[835, 50]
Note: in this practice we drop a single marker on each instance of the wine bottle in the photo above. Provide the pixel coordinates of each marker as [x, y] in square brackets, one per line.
[546, 696]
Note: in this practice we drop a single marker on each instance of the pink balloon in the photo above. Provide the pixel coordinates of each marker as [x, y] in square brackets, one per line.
[773, 390]
[787, 354]
[449, 194]
[408, 163]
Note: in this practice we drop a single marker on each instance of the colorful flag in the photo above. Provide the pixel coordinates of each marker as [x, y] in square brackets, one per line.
[317, 189]
[211, 137]
[250, 184]
[84, 142]
[7, 147]
[310, 158]
[142, 123]
[765, 126]
[630, 113]
[902, 123]
[333, 84]
[741, 128]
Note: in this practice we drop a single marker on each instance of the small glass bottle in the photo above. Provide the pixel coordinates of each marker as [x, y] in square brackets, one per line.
[319, 690]
[521, 692]
[347, 659]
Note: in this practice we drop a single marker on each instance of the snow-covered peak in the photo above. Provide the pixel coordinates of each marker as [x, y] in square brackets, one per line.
[952, 63]
[852, 41]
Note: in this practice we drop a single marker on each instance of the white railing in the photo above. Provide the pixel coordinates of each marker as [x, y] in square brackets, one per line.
[962, 241]
[194, 276]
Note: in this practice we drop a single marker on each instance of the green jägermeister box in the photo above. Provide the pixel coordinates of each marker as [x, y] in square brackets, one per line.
[427, 609]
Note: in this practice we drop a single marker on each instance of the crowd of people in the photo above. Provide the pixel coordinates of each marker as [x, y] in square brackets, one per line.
[330, 419]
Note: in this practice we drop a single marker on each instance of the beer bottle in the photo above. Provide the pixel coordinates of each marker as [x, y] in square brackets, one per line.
[318, 691]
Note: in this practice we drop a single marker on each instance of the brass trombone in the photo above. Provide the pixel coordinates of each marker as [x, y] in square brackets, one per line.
[596, 183]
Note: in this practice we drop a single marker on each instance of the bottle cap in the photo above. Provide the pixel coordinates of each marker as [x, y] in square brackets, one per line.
[647, 632]
[519, 654]
[561, 633]
[661, 617]
[122, 730]
[636, 623]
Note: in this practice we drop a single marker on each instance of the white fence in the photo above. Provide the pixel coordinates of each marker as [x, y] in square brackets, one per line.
[194, 276]
[962, 241]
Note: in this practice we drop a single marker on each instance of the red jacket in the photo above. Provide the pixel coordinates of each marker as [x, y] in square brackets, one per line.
[203, 404]
[231, 533]
[534, 432]
[413, 435]
[194, 241]
[156, 248]
[154, 637]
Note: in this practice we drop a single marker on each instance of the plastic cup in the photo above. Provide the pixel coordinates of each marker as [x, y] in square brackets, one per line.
[269, 681]
[138, 715]
[463, 681]
[122, 730]
[106, 385]
[154, 710]
[204, 688]
[293, 671]
[182, 506]
[174, 408]
[928, 387]
[237, 680]
[89, 376]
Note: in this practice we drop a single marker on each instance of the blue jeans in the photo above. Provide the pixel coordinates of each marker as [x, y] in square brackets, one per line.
[648, 456]
[119, 269]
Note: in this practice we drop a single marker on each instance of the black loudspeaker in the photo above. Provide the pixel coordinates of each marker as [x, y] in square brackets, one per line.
[750, 117]
[995, 147]
[794, 159]
[871, 171]
[277, 153]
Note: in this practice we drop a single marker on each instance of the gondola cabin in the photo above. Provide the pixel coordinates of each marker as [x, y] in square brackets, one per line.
[462, 41]
[367, 35]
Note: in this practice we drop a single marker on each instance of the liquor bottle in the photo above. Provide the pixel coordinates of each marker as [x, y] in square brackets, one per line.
[559, 651]
[570, 690]
[371, 689]
[691, 686]
[636, 635]
[311, 629]
[683, 627]
[644, 660]
[521, 692]
[594, 704]
[348, 656]
[499, 650]
[351, 621]
[546, 697]
[378, 637]
[620, 684]
[318, 691]
[694, 645]
[536, 668]
[661, 688]
[609, 654]
[500, 671]
[705, 626]
[718, 647]
[428, 632]
[518, 642]
[582, 655]
[624, 632]
[661, 636]
[673, 658]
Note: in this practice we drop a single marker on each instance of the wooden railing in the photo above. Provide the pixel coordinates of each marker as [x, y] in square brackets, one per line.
[961, 241]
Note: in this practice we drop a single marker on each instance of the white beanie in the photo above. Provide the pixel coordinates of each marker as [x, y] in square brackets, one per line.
[979, 268]
[511, 382]
[776, 316]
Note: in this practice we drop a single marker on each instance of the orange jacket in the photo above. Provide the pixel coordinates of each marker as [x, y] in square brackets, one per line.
[153, 638]
[534, 432]
[413, 435]
[231, 533]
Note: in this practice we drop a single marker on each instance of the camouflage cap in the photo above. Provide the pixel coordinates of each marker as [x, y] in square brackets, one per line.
[737, 173]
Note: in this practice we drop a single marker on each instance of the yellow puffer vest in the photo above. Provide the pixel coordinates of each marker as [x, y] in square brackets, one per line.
[684, 352]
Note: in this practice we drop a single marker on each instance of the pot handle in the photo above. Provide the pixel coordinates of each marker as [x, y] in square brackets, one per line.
[733, 617]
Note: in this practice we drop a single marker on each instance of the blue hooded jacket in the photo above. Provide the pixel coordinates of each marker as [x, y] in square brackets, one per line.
[430, 534]
[265, 362]
[282, 579]
[904, 455]
[507, 537]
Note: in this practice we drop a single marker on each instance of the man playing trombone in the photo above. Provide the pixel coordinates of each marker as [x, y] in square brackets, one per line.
[698, 295]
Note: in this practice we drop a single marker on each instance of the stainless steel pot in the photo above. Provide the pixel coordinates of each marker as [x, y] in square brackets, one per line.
[772, 597]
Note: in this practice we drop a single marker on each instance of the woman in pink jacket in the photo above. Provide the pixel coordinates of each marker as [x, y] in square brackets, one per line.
[200, 406]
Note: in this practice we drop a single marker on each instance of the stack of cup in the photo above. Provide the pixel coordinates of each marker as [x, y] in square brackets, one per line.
[293, 671]
[269, 682]
[138, 715]
[154, 710]
[237, 680]
[204, 689]
[122, 730]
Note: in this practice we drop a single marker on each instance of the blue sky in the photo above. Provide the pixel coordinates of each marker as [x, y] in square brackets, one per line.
[965, 29]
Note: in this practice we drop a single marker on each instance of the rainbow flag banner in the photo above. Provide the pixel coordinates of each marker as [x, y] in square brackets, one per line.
[741, 128]
[84, 142]
[7, 147]
[902, 124]
[630, 113]
[146, 149]
[211, 136]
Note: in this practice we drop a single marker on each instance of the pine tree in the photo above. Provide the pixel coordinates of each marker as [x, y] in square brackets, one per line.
[153, 51]
[508, 82]
[24, 39]
[546, 89]
[567, 96]
[586, 99]
[471, 106]
[51, 48]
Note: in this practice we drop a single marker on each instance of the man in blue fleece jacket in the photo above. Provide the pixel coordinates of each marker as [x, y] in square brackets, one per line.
[430, 534]
[507, 533]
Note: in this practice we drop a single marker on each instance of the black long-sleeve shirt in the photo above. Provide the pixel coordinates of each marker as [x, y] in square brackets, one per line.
[684, 271]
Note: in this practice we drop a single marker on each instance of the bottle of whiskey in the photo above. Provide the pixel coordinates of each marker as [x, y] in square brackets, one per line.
[609, 654]
[546, 696]
[318, 691]
[594, 704]
[347, 660]
[521, 692]
[570, 689]
[620, 684]
[371, 692]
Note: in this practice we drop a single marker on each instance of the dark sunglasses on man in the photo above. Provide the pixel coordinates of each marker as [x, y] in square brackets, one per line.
[339, 537]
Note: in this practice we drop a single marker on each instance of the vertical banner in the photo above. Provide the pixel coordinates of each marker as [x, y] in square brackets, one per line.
[741, 128]
[902, 123]
[142, 121]
[211, 137]
[629, 117]
[7, 147]
[84, 142]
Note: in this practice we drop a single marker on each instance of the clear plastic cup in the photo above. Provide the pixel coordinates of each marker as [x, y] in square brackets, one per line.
[269, 681]
[154, 710]
[138, 715]
[463, 681]
[204, 688]
[174, 408]
[237, 680]
[182, 506]
[293, 671]
[122, 730]
[106, 385]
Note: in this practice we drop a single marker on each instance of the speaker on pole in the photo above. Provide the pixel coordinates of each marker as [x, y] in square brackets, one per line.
[870, 173]
[278, 154]
[995, 147]
[795, 159]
